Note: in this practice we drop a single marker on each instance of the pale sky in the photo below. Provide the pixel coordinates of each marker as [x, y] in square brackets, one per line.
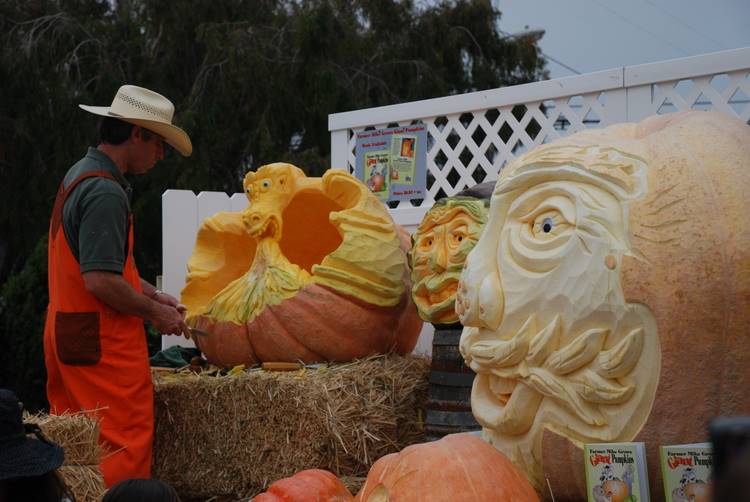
[592, 35]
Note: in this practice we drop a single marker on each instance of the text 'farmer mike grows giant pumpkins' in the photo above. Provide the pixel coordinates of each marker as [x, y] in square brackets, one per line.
[314, 269]
[608, 298]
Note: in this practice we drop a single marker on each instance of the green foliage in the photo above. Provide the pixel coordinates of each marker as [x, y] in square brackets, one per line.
[23, 301]
[246, 77]
[253, 82]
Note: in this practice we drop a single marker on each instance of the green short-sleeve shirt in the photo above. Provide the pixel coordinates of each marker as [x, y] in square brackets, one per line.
[95, 215]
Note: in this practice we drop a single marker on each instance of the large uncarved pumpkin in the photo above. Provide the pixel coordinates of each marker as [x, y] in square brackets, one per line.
[457, 468]
[313, 270]
[608, 299]
[312, 485]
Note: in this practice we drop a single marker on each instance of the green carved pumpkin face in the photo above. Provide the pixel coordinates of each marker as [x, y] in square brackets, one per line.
[441, 243]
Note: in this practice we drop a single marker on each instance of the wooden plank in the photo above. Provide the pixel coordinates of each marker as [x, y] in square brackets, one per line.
[210, 203]
[690, 67]
[238, 202]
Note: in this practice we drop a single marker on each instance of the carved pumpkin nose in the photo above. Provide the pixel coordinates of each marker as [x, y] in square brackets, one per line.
[251, 220]
[482, 306]
[439, 260]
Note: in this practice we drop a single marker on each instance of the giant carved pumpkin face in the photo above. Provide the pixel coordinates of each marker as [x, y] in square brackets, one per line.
[314, 269]
[449, 230]
[610, 278]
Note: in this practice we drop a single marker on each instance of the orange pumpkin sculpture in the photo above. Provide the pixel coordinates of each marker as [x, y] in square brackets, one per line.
[313, 270]
[312, 485]
[608, 299]
[457, 468]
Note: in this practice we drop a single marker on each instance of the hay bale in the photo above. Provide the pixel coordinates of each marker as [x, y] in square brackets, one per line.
[233, 436]
[78, 434]
[85, 482]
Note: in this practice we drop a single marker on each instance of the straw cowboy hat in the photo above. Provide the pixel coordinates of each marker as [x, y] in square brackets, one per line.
[149, 110]
[20, 455]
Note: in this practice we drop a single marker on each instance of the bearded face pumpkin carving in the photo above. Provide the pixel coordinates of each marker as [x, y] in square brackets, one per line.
[449, 230]
[313, 270]
[608, 297]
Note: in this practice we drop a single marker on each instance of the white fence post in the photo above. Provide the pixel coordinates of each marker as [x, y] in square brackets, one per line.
[639, 102]
[180, 222]
[339, 152]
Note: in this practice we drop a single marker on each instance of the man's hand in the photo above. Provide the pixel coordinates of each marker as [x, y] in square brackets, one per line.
[112, 290]
[165, 298]
[168, 320]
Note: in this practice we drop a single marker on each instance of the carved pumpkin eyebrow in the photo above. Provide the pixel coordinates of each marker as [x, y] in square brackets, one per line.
[618, 172]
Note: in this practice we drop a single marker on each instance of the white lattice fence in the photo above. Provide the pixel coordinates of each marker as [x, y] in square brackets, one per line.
[718, 82]
[472, 136]
[469, 148]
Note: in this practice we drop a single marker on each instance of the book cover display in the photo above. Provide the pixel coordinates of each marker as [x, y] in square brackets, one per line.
[686, 471]
[392, 162]
[616, 472]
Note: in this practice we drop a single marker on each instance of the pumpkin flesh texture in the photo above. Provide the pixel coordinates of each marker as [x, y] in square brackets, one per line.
[457, 468]
[330, 250]
[442, 241]
[613, 263]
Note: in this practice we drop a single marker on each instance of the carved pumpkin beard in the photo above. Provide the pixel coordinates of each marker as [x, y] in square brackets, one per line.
[554, 344]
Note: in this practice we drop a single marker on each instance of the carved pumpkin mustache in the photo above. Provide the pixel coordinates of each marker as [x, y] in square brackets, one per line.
[435, 294]
[580, 375]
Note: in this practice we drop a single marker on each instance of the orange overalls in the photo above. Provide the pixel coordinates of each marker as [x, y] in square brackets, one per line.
[97, 358]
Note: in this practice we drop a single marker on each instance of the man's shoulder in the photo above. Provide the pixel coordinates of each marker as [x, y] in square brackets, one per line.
[95, 185]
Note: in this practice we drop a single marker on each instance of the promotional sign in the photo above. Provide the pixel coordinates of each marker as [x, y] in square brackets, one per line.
[616, 471]
[686, 471]
[392, 162]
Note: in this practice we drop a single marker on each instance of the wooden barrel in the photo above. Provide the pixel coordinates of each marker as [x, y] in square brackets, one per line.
[449, 395]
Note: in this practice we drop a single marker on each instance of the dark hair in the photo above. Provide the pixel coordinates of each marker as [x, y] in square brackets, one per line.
[141, 490]
[114, 131]
[47, 487]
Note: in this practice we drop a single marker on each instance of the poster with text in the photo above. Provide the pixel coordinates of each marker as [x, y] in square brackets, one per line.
[392, 162]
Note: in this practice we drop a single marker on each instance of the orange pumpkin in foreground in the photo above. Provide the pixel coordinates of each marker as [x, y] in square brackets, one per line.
[457, 468]
[312, 485]
[314, 270]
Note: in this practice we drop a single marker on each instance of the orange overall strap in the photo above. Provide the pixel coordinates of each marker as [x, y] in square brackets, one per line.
[62, 195]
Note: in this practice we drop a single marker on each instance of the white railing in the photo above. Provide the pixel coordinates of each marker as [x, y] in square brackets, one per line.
[472, 136]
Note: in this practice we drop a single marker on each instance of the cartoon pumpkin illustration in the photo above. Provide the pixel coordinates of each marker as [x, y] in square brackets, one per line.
[697, 492]
[614, 262]
[376, 182]
[313, 270]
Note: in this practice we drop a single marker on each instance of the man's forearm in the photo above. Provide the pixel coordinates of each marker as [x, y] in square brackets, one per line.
[148, 288]
[112, 290]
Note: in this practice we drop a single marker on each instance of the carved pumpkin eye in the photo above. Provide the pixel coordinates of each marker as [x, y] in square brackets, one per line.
[548, 224]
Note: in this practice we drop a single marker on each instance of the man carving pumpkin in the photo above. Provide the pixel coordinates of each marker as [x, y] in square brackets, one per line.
[94, 344]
